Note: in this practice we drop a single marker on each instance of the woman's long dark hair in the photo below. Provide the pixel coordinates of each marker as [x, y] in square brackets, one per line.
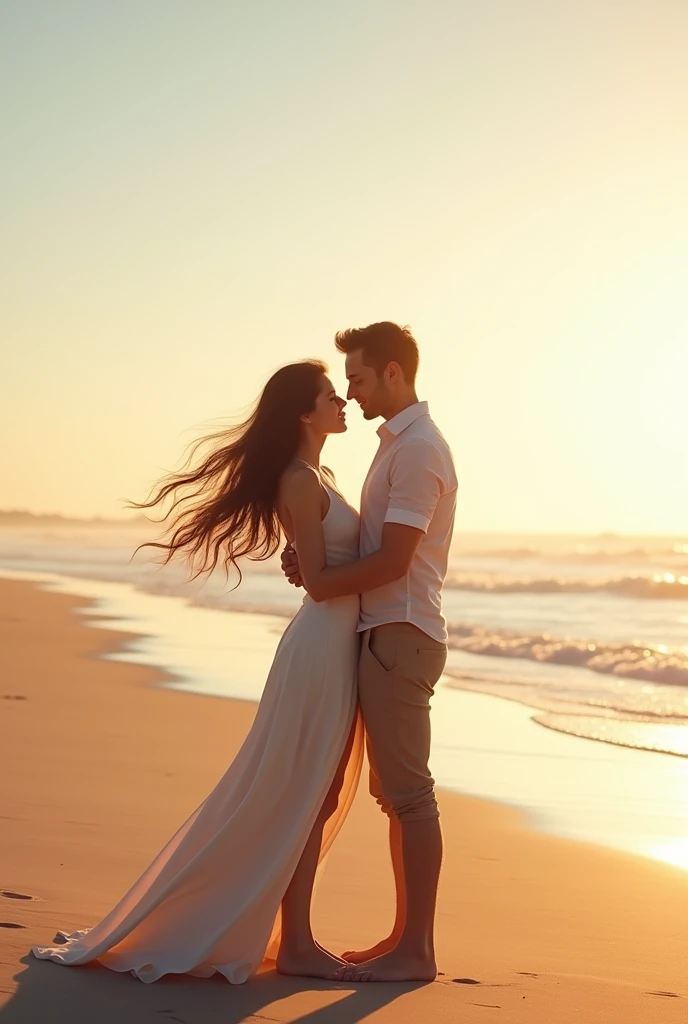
[228, 504]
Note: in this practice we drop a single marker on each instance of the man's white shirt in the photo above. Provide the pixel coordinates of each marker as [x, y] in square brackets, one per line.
[411, 481]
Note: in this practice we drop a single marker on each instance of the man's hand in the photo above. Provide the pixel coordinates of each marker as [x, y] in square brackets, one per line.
[290, 566]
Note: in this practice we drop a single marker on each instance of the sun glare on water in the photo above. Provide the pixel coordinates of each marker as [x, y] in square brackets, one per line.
[674, 852]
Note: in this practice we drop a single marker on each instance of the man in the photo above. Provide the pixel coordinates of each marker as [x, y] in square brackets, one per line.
[407, 516]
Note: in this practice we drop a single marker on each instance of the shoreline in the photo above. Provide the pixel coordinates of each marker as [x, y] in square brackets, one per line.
[484, 745]
[96, 779]
[563, 694]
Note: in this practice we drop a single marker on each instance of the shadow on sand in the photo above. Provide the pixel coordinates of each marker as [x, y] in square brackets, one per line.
[91, 994]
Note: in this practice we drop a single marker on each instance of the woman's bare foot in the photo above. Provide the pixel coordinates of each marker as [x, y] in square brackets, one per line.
[309, 962]
[393, 966]
[360, 956]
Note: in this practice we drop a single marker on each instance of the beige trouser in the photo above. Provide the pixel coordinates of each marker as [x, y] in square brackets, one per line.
[399, 667]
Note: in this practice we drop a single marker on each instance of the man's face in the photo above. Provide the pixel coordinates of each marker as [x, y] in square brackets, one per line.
[365, 387]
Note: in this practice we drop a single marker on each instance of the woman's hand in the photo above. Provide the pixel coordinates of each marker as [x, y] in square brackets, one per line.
[290, 566]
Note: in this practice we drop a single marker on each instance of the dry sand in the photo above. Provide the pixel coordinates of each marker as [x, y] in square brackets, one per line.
[99, 766]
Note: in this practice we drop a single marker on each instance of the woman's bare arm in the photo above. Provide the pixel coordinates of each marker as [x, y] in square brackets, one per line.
[301, 494]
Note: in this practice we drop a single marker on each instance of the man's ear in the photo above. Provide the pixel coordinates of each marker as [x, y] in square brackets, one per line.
[393, 372]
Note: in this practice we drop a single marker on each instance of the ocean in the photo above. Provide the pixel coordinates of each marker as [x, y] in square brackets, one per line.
[584, 640]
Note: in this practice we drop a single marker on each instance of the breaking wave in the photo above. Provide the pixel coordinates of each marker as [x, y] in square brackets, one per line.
[653, 664]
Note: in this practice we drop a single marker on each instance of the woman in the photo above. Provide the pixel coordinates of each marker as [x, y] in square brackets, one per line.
[234, 884]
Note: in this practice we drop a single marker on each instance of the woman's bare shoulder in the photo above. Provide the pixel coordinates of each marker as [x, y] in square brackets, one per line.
[297, 479]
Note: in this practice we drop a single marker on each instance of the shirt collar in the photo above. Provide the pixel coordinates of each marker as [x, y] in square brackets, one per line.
[403, 419]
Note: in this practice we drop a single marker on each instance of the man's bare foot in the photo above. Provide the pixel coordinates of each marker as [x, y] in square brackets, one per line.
[360, 956]
[313, 962]
[392, 966]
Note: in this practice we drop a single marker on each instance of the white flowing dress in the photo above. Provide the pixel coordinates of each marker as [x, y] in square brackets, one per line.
[210, 899]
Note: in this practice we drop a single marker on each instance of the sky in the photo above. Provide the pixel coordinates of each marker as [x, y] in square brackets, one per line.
[193, 194]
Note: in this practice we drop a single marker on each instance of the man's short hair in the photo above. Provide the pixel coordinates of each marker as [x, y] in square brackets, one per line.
[380, 345]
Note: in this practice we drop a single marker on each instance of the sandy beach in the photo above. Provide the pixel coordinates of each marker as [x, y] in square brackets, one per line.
[99, 767]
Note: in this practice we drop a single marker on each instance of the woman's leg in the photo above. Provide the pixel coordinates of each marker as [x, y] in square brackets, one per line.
[353, 956]
[299, 953]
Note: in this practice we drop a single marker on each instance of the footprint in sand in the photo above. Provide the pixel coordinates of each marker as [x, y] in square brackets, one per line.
[9, 895]
[465, 981]
[667, 995]
[12, 696]
[11, 924]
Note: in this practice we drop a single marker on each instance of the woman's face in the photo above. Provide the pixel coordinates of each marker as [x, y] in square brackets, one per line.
[328, 416]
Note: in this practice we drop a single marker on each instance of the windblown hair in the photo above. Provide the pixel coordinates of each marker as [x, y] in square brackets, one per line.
[382, 344]
[227, 505]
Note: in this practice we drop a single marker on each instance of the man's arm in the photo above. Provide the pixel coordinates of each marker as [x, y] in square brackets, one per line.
[390, 562]
[417, 478]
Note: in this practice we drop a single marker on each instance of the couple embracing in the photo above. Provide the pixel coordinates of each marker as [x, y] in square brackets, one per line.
[357, 665]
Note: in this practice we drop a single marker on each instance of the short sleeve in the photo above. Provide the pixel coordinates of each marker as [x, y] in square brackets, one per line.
[417, 481]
